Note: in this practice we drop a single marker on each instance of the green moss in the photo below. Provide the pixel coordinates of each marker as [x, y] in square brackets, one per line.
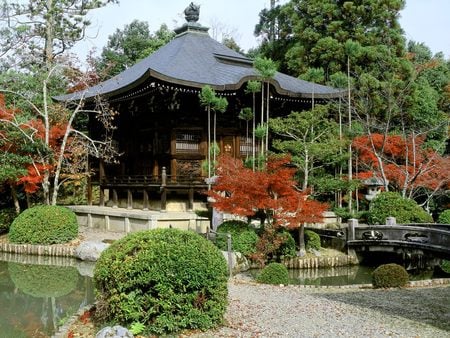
[274, 273]
[167, 279]
[389, 276]
[44, 224]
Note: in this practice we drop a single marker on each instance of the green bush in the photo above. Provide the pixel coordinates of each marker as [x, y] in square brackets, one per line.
[243, 237]
[445, 266]
[389, 276]
[166, 279]
[43, 280]
[312, 240]
[287, 249]
[44, 224]
[274, 273]
[6, 218]
[444, 217]
[393, 204]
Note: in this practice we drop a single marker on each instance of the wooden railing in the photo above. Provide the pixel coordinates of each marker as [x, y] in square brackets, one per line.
[145, 183]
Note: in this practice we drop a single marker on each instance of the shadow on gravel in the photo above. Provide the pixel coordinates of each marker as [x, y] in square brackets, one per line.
[427, 305]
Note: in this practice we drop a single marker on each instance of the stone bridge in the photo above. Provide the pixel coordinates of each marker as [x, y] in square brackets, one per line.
[429, 239]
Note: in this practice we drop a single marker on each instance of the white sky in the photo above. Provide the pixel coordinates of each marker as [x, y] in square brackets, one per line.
[425, 21]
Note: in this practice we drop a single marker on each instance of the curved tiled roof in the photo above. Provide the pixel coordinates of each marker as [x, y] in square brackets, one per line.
[194, 59]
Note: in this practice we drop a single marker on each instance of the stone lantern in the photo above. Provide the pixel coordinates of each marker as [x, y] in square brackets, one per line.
[373, 186]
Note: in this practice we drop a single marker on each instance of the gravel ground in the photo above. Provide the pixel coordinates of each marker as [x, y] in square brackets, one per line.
[257, 310]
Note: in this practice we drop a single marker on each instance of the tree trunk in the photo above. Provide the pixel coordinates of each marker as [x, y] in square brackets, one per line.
[15, 199]
[253, 136]
[301, 240]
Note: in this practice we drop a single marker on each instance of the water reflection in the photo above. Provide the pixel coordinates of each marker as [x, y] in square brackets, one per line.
[344, 275]
[38, 294]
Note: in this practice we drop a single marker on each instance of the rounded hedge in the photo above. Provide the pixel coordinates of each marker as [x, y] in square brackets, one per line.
[6, 218]
[405, 210]
[274, 273]
[166, 279]
[390, 276]
[312, 240]
[43, 280]
[444, 217]
[243, 237]
[44, 224]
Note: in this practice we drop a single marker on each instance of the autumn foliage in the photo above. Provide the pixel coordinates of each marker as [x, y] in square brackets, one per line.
[273, 192]
[406, 162]
[34, 128]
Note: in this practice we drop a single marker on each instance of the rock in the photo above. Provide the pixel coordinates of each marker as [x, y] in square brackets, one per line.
[86, 268]
[239, 262]
[90, 250]
[116, 331]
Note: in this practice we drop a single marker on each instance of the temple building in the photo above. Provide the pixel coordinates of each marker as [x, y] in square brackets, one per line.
[162, 129]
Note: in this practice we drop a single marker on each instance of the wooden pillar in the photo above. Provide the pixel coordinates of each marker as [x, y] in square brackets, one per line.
[163, 189]
[129, 199]
[101, 178]
[191, 199]
[115, 198]
[102, 196]
[145, 199]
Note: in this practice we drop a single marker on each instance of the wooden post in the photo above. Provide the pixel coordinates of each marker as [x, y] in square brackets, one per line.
[102, 196]
[163, 189]
[145, 199]
[115, 199]
[129, 199]
[191, 199]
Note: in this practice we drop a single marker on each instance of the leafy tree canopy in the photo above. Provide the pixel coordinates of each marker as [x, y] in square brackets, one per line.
[126, 47]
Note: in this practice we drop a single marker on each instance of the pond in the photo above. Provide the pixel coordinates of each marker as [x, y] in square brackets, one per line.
[39, 294]
[345, 275]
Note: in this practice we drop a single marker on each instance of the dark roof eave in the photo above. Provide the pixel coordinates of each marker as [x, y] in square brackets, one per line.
[238, 85]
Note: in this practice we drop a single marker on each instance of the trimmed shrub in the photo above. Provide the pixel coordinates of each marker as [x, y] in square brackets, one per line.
[312, 240]
[167, 279]
[6, 218]
[389, 276]
[44, 224]
[445, 266]
[243, 237]
[393, 204]
[287, 249]
[43, 280]
[274, 273]
[444, 217]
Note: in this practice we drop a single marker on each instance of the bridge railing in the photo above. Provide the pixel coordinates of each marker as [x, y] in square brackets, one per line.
[433, 237]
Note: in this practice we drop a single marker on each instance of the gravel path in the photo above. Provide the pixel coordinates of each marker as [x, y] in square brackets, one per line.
[257, 310]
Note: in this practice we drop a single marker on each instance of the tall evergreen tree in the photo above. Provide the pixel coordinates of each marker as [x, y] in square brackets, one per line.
[36, 31]
[126, 47]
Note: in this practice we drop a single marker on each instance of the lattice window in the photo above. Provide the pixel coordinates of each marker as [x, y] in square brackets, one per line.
[246, 146]
[188, 142]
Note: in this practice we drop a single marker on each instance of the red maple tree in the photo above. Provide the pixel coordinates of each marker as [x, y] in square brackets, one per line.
[404, 163]
[271, 194]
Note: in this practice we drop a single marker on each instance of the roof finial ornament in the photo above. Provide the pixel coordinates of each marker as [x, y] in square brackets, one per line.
[192, 12]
